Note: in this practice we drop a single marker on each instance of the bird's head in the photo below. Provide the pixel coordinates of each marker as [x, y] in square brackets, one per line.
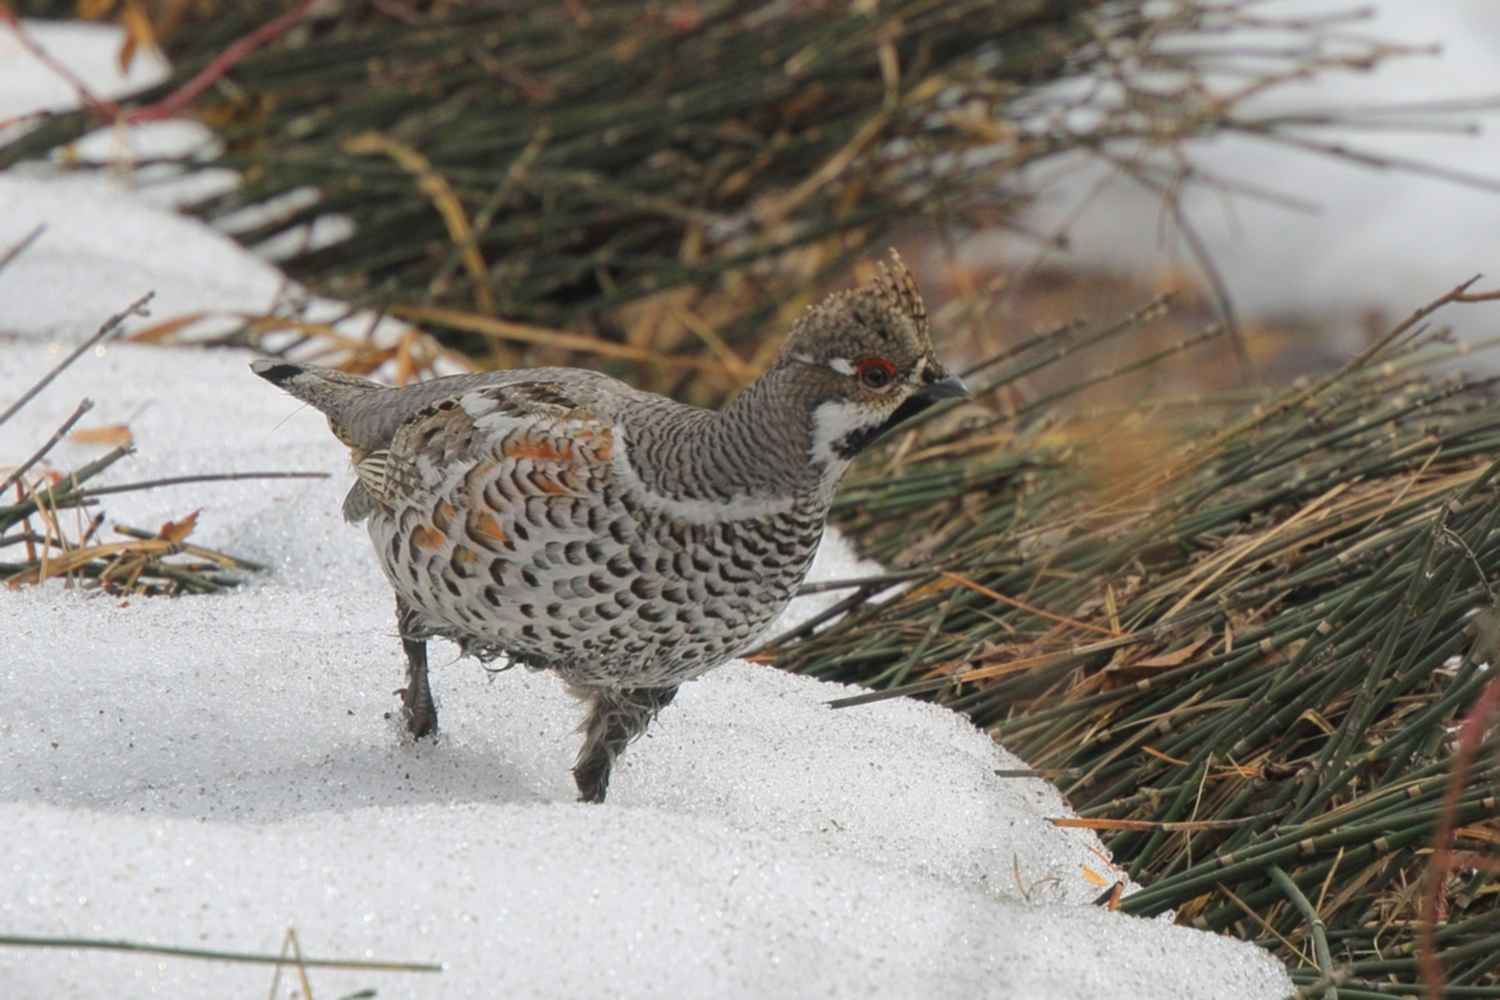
[863, 362]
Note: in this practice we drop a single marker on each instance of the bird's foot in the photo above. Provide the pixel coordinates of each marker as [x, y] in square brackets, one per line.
[418, 711]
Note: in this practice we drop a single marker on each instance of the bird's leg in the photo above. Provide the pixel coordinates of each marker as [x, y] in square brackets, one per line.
[416, 698]
[616, 716]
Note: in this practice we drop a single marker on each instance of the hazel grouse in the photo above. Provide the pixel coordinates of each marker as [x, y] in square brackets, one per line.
[624, 541]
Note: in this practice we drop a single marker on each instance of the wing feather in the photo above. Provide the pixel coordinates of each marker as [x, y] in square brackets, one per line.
[532, 433]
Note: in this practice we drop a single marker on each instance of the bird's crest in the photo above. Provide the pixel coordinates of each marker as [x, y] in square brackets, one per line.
[897, 290]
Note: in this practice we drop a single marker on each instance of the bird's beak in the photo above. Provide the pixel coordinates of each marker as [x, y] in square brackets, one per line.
[938, 384]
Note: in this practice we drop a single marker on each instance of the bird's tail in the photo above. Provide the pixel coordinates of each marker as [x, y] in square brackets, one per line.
[363, 414]
[327, 389]
[345, 399]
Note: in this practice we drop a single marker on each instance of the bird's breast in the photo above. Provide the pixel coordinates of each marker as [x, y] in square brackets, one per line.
[591, 575]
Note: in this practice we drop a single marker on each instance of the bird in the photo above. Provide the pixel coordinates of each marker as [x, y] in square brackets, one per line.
[626, 542]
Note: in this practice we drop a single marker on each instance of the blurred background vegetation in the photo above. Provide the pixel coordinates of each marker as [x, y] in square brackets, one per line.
[679, 180]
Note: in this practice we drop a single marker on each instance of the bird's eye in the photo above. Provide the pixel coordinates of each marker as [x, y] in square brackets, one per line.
[875, 373]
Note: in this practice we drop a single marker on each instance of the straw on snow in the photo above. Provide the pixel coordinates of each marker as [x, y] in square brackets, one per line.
[140, 565]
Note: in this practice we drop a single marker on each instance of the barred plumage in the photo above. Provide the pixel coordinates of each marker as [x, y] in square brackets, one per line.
[624, 541]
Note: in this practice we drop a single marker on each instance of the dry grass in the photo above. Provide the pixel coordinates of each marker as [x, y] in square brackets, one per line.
[677, 180]
[54, 524]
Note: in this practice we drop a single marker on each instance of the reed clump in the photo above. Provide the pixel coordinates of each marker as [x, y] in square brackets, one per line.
[531, 179]
[1244, 637]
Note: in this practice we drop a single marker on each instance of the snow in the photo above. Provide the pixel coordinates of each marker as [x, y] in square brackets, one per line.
[143, 251]
[1371, 239]
[209, 771]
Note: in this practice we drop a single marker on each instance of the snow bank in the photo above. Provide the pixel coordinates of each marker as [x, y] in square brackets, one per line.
[207, 772]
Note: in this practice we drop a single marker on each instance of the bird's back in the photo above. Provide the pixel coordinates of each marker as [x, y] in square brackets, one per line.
[569, 521]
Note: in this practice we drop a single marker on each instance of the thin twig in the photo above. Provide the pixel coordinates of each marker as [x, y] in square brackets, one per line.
[174, 103]
[221, 477]
[824, 586]
[111, 325]
[21, 245]
[213, 955]
[40, 453]
[105, 109]
[219, 559]
[70, 484]
[1471, 736]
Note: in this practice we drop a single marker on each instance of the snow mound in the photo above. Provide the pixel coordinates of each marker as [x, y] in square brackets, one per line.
[232, 763]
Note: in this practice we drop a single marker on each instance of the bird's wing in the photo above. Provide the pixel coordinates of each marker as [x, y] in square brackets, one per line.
[524, 439]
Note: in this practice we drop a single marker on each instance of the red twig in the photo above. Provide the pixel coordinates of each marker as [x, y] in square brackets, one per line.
[6, 123]
[101, 107]
[1471, 734]
[180, 98]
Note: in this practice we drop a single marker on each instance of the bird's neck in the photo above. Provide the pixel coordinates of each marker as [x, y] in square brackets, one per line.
[756, 454]
[772, 424]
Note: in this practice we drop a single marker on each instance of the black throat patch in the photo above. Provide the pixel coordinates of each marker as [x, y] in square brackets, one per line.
[855, 441]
